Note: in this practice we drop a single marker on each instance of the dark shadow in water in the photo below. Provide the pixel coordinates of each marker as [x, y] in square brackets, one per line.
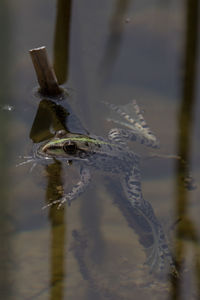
[90, 215]
[114, 40]
[62, 40]
[6, 60]
[186, 228]
[81, 249]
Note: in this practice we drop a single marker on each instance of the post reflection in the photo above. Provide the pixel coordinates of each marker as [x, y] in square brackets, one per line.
[57, 218]
[51, 117]
[186, 230]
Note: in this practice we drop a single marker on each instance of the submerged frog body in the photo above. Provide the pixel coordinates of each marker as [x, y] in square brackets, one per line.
[113, 155]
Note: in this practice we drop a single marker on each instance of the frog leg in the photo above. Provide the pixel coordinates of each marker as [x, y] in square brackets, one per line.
[77, 190]
[158, 254]
[121, 136]
[137, 129]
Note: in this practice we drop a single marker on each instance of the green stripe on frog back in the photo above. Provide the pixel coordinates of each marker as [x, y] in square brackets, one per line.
[82, 139]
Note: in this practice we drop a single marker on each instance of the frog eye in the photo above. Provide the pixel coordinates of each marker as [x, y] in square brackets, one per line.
[69, 147]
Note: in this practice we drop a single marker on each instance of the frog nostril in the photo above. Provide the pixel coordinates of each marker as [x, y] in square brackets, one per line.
[60, 133]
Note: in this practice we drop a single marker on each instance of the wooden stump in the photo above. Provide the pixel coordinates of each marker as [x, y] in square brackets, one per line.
[45, 74]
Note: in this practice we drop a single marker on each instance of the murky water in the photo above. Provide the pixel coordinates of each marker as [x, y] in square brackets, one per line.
[113, 50]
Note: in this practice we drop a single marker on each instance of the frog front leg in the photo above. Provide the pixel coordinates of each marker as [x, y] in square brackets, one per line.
[77, 190]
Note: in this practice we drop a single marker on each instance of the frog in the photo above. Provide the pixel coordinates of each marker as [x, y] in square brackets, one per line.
[114, 156]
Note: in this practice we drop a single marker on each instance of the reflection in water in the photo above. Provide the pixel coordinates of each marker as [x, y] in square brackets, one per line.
[50, 117]
[58, 229]
[62, 40]
[113, 44]
[185, 228]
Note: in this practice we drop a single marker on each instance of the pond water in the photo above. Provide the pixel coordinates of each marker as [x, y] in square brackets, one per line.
[114, 51]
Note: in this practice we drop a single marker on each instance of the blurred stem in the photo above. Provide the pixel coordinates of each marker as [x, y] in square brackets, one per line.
[114, 40]
[62, 40]
[7, 258]
[186, 229]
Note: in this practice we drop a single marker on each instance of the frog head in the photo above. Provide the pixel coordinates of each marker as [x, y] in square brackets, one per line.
[70, 146]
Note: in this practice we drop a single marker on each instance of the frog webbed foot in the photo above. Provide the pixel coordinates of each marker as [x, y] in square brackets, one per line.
[60, 202]
[76, 191]
[131, 117]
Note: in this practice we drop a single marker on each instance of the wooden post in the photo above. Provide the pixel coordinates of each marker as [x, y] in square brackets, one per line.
[45, 73]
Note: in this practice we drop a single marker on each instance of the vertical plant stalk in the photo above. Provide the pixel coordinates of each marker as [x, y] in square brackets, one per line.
[62, 40]
[186, 229]
[45, 74]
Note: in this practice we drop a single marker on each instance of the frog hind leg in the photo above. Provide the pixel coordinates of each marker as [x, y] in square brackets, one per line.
[159, 258]
[131, 117]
